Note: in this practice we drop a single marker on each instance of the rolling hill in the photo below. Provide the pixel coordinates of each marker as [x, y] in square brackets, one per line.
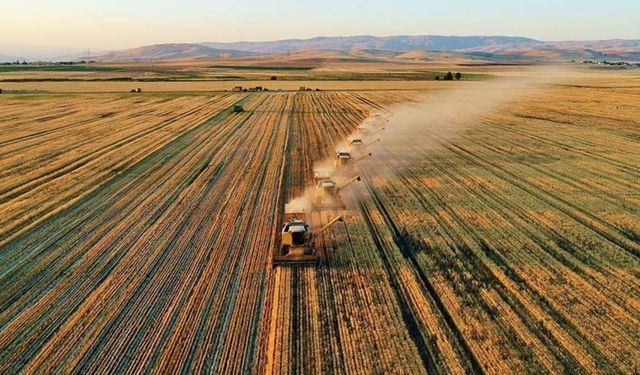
[393, 43]
[497, 48]
[487, 47]
[498, 45]
[174, 51]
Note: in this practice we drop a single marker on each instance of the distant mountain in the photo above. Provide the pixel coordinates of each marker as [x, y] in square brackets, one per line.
[393, 43]
[174, 51]
[611, 45]
[497, 48]
[499, 45]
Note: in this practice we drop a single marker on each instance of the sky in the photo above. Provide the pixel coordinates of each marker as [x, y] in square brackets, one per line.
[116, 24]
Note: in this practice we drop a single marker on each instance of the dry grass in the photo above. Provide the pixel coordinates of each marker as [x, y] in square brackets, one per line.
[195, 86]
[136, 234]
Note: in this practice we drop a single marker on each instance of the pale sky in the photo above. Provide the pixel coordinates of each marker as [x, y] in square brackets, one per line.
[117, 24]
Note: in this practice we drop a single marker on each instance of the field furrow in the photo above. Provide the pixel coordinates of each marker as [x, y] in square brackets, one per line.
[136, 233]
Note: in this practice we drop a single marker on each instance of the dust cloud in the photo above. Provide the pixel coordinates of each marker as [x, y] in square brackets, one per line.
[423, 125]
[407, 131]
[300, 204]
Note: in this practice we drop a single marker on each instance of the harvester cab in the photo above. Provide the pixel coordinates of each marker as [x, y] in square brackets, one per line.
[356, 142]
[342, 158]
[297, 240]
[327, 187]
[296, 235]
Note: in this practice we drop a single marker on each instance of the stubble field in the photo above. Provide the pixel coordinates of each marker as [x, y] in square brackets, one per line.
[136, 232]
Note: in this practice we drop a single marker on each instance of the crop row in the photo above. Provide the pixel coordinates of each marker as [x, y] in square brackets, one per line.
[497, 249]
[135, 235]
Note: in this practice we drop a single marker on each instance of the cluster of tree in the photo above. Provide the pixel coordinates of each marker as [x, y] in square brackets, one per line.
[450, 77]
[15, 63]
[612, 63]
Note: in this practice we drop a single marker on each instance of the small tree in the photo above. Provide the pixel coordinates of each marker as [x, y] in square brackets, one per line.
[274, 78]
[458, 76]
[448, 76]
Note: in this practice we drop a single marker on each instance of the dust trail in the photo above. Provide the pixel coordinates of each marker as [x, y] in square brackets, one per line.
[301, 203]
[414, 126]
[421, 126]
[408, 131]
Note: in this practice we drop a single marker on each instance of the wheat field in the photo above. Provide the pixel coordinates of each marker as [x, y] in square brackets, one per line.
[136, 233]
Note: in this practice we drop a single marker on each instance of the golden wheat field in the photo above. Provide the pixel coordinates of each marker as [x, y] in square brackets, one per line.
[136, 232]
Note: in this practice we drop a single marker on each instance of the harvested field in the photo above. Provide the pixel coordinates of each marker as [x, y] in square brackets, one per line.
[208, 86]
[136, 231]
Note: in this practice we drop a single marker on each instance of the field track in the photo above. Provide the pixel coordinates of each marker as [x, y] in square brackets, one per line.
[136, 231]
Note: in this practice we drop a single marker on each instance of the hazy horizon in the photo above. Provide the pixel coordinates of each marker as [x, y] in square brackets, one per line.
[120, 24]
[306, 38]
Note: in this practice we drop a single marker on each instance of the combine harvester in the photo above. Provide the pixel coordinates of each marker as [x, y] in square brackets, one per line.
[355, 142]
[321, 175]
[344, 159]
[327, 194]
[298, 246]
